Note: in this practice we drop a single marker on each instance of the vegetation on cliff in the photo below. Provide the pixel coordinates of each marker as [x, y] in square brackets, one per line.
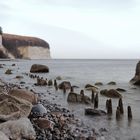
[10, 40]
[13, 42]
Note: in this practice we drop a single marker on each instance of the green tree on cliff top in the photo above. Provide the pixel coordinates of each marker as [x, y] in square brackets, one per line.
[1, 30]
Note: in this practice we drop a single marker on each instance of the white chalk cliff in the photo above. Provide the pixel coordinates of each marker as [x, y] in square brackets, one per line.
[15, 46]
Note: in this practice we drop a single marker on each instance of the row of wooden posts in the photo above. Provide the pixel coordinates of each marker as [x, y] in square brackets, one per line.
[95, 100]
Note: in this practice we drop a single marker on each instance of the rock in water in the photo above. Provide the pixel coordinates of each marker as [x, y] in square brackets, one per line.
[24, 94]
[19, 129]
[38, 68]
[94, 112]
[136, 79]
[65, 85]
[3, 136]
[112, 93]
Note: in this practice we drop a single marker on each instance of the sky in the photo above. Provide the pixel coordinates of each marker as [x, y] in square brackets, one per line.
[90, 29]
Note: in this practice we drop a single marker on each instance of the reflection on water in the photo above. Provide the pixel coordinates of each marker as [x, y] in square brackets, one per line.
[81, 72]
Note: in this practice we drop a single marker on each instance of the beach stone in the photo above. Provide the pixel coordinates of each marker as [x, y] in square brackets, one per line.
[24, 94]
[38, 68]
[58, 78]
[74, 97]
[41, 82]
[121, 90]
[18, 129]
[78, 98]
[90, 86]
[38, 110]
[98, 84]
[44, 123]
[112, 83]
[136, 79]
[94, 89]
[65, 85]
[112, 93]
[12, 107]
[94, 112]
[19, 77]
[3, 136]
[8, 71]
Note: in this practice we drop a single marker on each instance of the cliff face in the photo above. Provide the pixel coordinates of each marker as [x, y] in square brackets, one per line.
[24, 47]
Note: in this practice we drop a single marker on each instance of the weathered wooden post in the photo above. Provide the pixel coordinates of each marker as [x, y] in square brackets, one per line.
[96, 101]
[129, 112]
[120, 104]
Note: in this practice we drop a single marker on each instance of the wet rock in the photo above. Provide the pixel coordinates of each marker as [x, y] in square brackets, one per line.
[112, 93]
[12, 107]
[38, 68]
[13, 64]
[24, 94]
[98, 83]
[94, 112]
[19, 77]
[78, 98]
[136, 79]
[121, 90]
[19, 129]
[41, 82]
[112, 83]
[38, 110]
[3, 136]
[65, 84]
[74, 97]
[58, 78]
[44, 123]
[8, 71]
[90, 86]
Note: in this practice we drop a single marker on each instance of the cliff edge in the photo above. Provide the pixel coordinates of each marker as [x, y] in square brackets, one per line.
[17, 46]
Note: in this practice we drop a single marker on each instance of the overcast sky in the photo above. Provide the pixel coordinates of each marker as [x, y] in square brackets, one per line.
[77, 28]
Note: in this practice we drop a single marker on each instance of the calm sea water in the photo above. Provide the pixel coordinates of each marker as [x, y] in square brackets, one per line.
[81, 72]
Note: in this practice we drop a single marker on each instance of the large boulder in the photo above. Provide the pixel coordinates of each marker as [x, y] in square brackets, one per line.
[111, 93]
[94, 112]
[65, 85]
[12, 108]
[136, 79]
[3, 136]
[38, 68]
[24, 94]
[78, 98]
[18, 129]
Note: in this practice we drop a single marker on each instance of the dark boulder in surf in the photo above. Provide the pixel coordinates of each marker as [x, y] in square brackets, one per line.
[136, 79]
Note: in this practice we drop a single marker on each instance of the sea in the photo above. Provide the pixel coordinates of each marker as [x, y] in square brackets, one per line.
[87, 71]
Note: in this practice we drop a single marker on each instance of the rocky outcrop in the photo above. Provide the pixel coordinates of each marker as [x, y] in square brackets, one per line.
[38, 68]
[136, 79]
[16, 46]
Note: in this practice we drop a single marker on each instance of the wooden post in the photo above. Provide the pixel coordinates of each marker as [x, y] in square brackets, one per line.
[96, 101]
[120, 104]
[109, 107]
[92, 96]
[129, 113]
